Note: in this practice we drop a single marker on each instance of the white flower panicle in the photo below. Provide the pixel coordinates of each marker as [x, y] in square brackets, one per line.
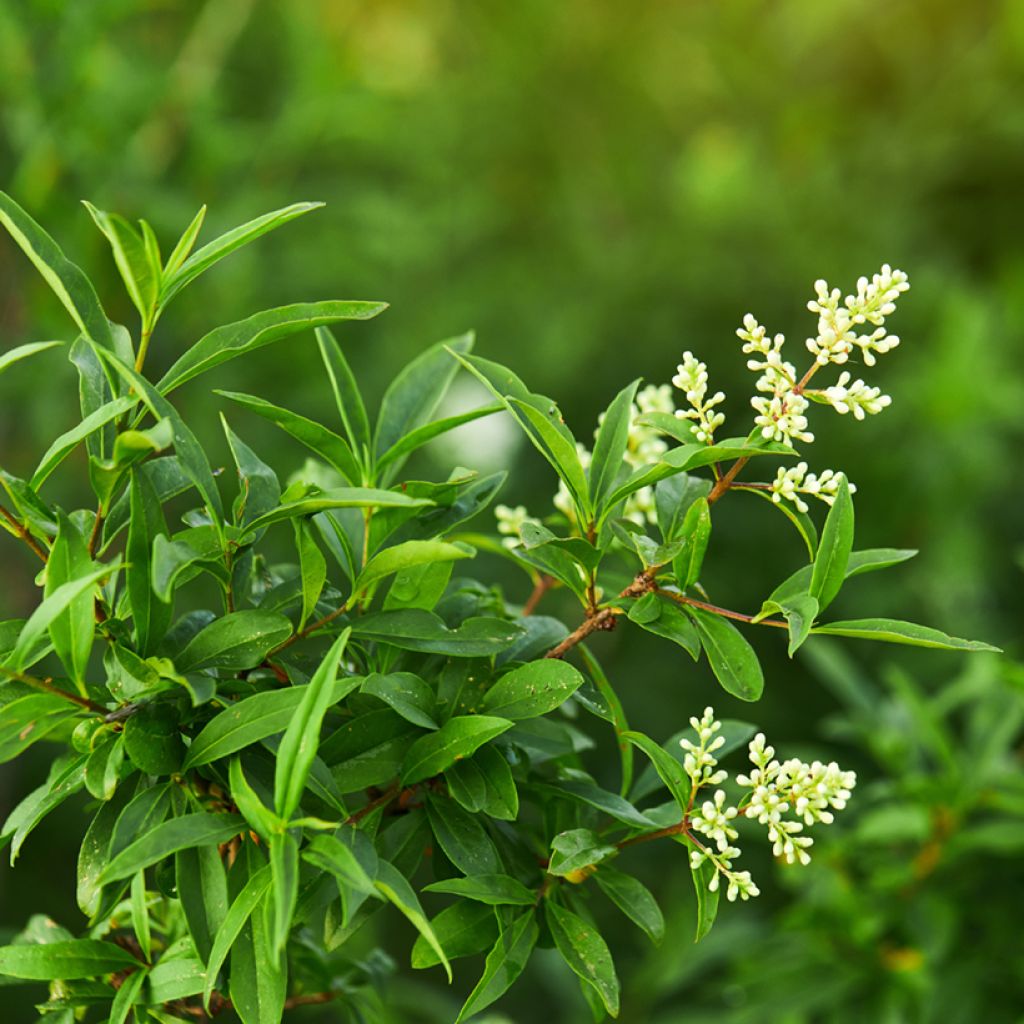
[692, 379]
[511, 522]
[700, 762]
[790, 483]
[858, 397]
[786, 797]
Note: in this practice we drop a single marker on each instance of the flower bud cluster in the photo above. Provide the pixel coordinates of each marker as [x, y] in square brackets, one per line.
[791, 482]
[692, 379]
[786, 797]
[511, 522]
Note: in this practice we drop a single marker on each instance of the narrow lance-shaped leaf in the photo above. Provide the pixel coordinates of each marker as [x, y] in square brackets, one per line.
[150, 615]
[347, 395]
[312, 568]
[403, 556]
[213, 252]
[15, 355]
[302, 738]
[68, 281]
[65, 960]
[894, 631]
[457, 738]
[505, 962]
[611, 442]
[141, 278]
[73, 630]
[834, 550]
[237, 339]
[586, 952]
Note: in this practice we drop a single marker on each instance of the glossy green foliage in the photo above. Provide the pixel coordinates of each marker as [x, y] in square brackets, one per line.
[296, 701]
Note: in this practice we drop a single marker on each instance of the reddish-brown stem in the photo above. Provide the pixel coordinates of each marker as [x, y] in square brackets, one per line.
[392, 793]
[725, 482]
[679, 828]
[540, 588]
[724, 612]
[94, 536]
[23, 533]
[48, 686]
[603, 619]
[312, 628]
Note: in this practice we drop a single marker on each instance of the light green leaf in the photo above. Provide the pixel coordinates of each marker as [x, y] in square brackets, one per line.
[312, 568]
[284, 870]
[696, 532]
[302, 737]
[64, 960]
[403, 556]
[576, 852]
[415, 439]
[213, 252]
[237, 339]
[493, 889]
[197, 829]
[347, 395]
[15, 355]
[73, 630]
[253, 719]
[611, 442]
[66, 443]
[185, 243]
[896, 632]
[150, 615]
[141, 278]
[341, 497]
[71, 286]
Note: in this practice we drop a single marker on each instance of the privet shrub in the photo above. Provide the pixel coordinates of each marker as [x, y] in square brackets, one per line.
[264, 775]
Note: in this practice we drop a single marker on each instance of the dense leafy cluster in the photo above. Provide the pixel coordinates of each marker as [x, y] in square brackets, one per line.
[273, 743]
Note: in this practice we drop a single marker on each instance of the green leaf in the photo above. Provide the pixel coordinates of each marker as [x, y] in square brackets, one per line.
[484, 783]
[189, 451]
[368, 750]
[203, 893]
[666, 619]
[415, 393]
[894, 631]
[127, 996]
[341, 497]
[673, 498]
[182, 557]
[391, 882]
[617, 712]
[15, 355]
[51, 607]
[419, 586]
[25, 720]
[347, 395]
[669, 770]
[732, 659]
[141, 278]
[457, 738]
[801, 520]
[64, 960]
[834, 550]
[414, 629]
[263, 821]
[235, 919]
[463, 839]
[237, 339]
[103, 768]
[331, 447]
[695, 531]
[493, 889]
[505, 962]
[213, 252]
[707, 900]
[197, 829]
[588, 793]
[312, 569]
[185, 244]
[584, 950]
[610, 445]
[463, 929]
[66, 777]
[235, 642]
[93, 855]
[68, 282]
[402, 556]
[67, 442]
[409, 695]
[532, 689]
[575, 853]
[152, 739]
[393, 458]
[258, 980]
[800, 611]
[302, 738]
[859, 562]
[73, 630]
[259, 490]
[284, 869]
[150, 614]
[634, 899]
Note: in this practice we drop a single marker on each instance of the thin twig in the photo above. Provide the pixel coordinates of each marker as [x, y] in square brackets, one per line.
[48, 686]
[725, 613]
[541, 587]
[23, 533]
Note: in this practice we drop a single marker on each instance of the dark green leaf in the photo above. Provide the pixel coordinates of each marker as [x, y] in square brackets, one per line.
[575, 853]
[414, 629]
[669, 769]
[203, 892]
[610, 445]
[409, 695]
[65, 960]
[234, 642]
[150, 614]
[463, 929]
[830, 563]
[585, 952]
[732, 659]
[634, 899]
[462, 837]
[152, 739]
[532, 689]
[493, 889]
[505, 962]
[484, 783]
[895, 632]
[397, 890]
[457, 738]
[665, 619]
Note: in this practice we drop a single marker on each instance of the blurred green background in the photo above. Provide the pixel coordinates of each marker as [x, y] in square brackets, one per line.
[595, 187]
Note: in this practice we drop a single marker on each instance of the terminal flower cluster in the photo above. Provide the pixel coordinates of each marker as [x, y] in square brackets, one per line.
[793, 481]
[787, 797]
[692, 379]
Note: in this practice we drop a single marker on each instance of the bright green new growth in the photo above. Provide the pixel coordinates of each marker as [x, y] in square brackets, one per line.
[269, 746]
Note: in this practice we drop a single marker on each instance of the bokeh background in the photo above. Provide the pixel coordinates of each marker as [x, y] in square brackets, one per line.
[595, 187]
